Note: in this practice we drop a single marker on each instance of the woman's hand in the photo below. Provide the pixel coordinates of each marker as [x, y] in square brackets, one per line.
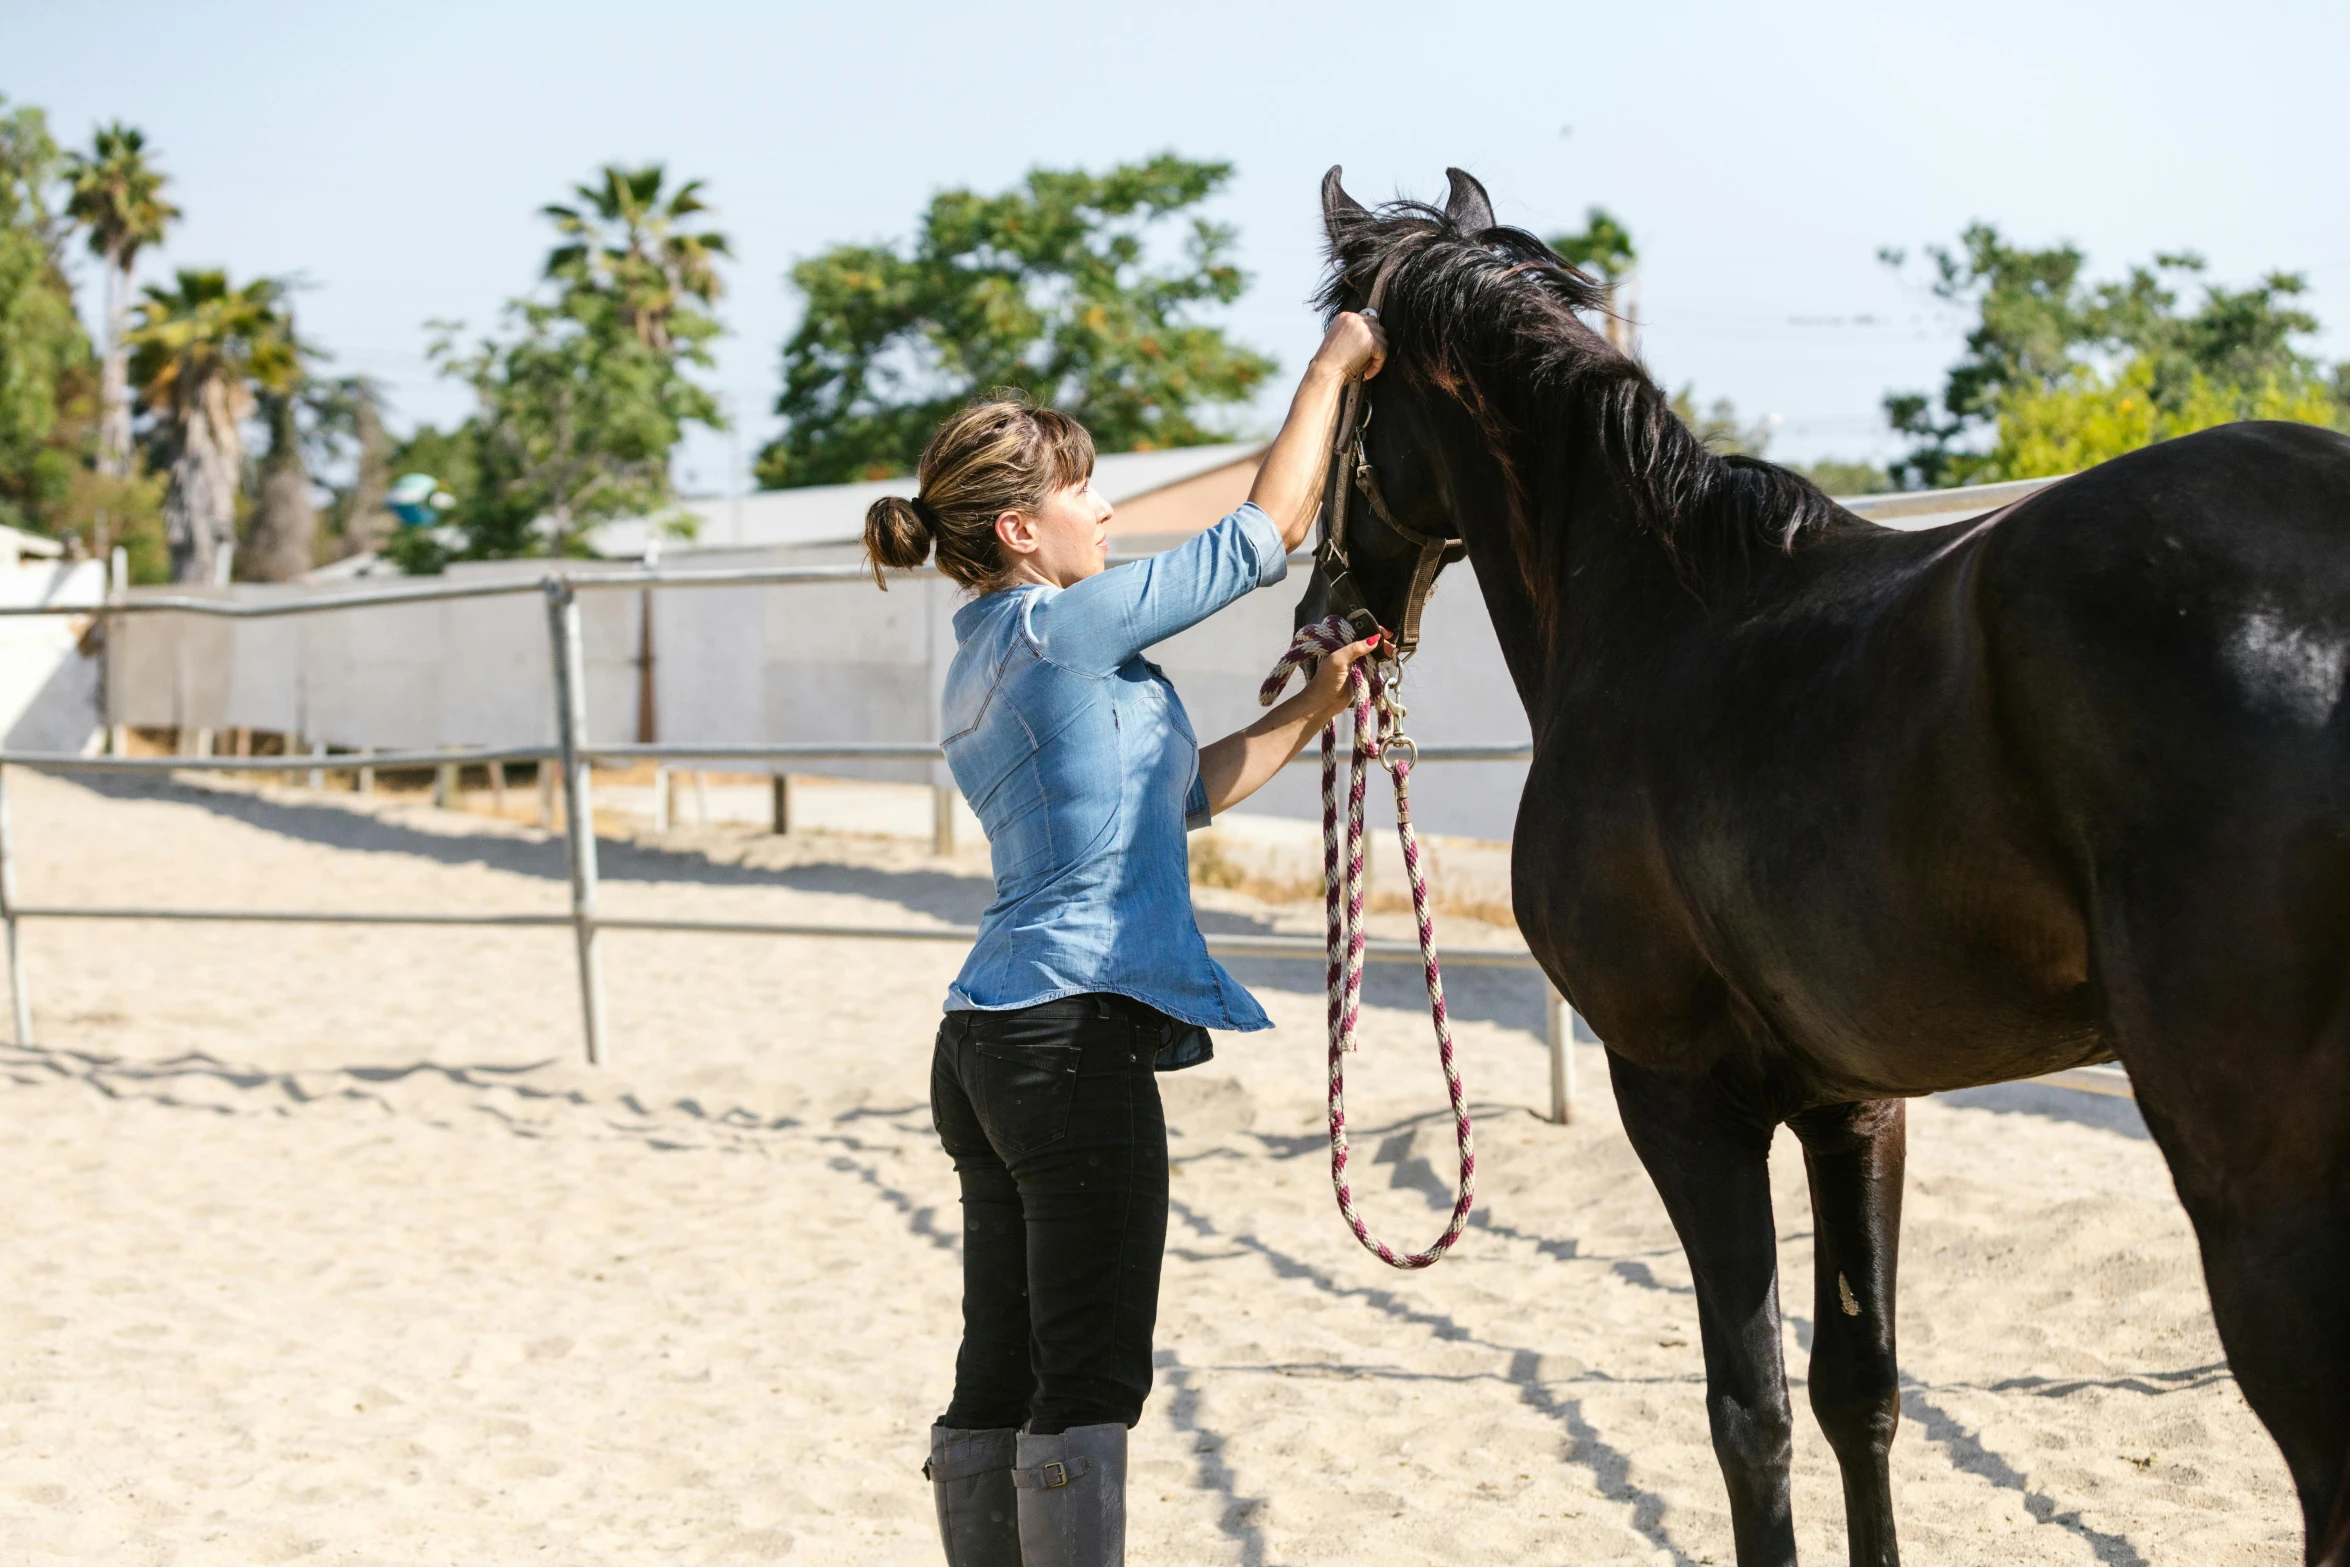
[1353, 346]
[1236, 766]
[1327, 694]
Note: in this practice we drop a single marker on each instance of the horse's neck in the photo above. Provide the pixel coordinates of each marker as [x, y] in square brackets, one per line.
[1604, 587]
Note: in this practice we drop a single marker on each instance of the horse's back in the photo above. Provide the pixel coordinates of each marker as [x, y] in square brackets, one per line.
[2262, 498]
[2172, 614]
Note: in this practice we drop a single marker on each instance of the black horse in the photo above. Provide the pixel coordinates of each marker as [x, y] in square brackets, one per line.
[1822, 816]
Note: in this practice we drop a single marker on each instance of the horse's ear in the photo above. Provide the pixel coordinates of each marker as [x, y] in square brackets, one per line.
[1470, 209]
[1337, 204]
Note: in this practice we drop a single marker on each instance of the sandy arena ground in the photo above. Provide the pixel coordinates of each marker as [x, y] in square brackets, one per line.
[319, 1247]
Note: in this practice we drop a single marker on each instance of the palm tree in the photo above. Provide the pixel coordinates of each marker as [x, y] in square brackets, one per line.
[201, 349]
[281, 541]
[367, 520]
[628, 241]
[117, 194]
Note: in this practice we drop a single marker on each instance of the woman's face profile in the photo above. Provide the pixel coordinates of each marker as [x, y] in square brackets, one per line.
[1065, 540]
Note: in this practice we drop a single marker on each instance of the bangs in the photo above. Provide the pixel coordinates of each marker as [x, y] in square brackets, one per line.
[1064, 457]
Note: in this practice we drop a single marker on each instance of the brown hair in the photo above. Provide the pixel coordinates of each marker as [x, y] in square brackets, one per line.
[995, 456]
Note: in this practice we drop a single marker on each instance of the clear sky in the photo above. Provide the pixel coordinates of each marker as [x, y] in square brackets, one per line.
[394, 157]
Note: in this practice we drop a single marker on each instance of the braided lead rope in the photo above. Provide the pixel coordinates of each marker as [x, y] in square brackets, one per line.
[1342, 902]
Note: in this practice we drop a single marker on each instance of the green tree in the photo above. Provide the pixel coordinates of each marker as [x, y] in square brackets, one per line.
[580, 402]
[117, 195]
[574, 420]
[2056, 368]
[1051, 288]
[1717, 425]
[2089, 416]
[44, 357]
[200, 351]
[628, 244]
[1603, 247]
[1839, 477]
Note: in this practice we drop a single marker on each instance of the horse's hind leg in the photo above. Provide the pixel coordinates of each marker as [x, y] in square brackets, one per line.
[1710, 1160]
[2278, 1281]
[1854, 1155]
[2229, 999]
[2264, 1183]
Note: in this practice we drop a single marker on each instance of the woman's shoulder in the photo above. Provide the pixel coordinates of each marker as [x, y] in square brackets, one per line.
[998, 613]
[994, 632]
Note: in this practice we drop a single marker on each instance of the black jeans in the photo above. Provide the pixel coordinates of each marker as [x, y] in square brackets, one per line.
[1052, 1117]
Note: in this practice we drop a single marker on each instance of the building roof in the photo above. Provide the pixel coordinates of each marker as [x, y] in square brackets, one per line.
[835, 513]
[15, 543]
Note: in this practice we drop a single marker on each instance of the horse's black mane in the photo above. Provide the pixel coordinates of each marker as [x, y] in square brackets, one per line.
[1489, 318]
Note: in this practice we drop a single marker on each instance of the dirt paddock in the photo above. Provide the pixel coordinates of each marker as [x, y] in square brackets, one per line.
[320, 1247]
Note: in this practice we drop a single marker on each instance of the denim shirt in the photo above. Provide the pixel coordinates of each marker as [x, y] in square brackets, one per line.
[1080, 762]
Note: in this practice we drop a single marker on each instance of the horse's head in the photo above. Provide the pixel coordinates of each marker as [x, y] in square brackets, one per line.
[1387, 521]
[1478, 317]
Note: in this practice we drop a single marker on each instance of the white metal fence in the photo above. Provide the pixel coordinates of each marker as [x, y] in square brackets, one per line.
[572, 754]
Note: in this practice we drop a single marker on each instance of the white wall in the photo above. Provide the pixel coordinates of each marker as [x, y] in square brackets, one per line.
[812, 662]
[48, 664]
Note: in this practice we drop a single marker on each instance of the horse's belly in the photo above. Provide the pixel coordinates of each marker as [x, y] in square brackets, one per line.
[1939, 987]
[1904, 1044]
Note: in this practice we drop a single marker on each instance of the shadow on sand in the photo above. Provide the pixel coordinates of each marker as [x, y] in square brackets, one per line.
[1509, 997]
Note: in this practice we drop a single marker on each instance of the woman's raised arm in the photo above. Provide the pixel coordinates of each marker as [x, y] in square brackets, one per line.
[1289, 485]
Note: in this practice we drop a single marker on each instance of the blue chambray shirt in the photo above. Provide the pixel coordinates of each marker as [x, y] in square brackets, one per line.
[1080, 762]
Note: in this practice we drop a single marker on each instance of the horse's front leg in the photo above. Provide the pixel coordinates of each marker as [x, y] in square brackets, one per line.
[1853, 1153]
[1710, 1160]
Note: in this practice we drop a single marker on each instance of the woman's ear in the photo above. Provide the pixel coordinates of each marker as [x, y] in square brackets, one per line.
[1016, 530]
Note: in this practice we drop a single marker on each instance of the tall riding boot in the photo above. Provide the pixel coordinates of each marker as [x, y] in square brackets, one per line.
[970, 1474]
[1072, 1491]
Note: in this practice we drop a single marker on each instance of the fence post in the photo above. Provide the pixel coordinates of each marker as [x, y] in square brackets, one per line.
[569, 660]
[16, 990]
[782, 804]
[1560, 1028]
[942, 819]
[317, 774]
[118, 589]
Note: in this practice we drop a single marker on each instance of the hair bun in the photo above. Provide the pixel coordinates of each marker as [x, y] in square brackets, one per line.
[898, 532]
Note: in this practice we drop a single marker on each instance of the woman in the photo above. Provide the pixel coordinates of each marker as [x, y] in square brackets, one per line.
[1089, 970]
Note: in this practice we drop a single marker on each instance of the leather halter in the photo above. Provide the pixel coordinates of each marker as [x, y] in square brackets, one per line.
[1351, 471]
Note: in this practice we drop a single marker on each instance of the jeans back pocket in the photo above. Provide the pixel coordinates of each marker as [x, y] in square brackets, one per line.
[1024, 1093]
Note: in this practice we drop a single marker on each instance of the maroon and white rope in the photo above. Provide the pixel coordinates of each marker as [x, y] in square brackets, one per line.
[1375, 739]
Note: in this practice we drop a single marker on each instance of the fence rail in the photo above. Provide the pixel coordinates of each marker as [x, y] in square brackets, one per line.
[665, 751]
[574, 754]
[619, 580]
